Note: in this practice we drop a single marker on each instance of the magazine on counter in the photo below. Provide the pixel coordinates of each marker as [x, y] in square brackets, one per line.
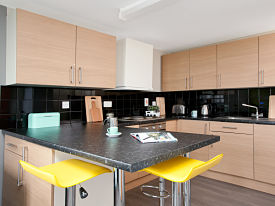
[153, 137]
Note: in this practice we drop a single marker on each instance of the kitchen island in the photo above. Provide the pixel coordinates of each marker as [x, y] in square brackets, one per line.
[123, 153]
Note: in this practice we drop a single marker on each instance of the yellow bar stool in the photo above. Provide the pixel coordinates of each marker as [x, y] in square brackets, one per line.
[180, 170]
[67, 174]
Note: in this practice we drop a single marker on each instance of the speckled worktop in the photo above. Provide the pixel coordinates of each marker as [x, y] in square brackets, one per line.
[90, 141]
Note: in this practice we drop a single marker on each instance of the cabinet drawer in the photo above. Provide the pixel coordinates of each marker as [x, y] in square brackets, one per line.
[13, 144]
[238, 128]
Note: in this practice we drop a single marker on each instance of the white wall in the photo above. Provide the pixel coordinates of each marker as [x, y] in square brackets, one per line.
[3, 21]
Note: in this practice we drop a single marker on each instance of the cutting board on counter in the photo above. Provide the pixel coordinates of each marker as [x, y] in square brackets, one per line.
[271, 110]
[161, 104]
[93, 106]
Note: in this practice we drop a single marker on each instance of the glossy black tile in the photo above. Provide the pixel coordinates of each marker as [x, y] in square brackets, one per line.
[75, 105]
[53, 106]
[8, 93]
[243, 99]
[7, 121]
[40, 94]
[8, 106]
[25, 93]
[264, 100]
[52, 94]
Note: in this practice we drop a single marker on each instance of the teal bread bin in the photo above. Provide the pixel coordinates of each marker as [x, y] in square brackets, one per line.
[40, 120]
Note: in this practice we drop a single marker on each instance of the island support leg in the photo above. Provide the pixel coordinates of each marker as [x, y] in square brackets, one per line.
[177, 194]
[70, 196]
[187, 189]
[161, 191]
[119, 191]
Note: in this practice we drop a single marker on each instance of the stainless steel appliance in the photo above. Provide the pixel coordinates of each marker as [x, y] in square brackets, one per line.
[154, 126]
[108, 116]
[178, 109]
[205, 110]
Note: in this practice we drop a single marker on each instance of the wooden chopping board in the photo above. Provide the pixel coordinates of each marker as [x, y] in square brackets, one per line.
[93, 106]
[271, 110]
[161, 104]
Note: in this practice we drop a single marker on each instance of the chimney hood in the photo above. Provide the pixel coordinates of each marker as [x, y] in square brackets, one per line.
[134, 65]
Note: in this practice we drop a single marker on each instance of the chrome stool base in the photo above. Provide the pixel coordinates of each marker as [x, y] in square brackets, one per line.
[166, 195]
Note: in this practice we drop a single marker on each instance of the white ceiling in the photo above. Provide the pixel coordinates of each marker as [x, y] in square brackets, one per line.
[170, 26]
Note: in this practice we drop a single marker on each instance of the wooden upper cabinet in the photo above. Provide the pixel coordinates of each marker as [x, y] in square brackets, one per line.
[45, 50]
[237, 64]
[95, 59]
[264, 153]
[203, 68]
[175, 71]
[267, 60]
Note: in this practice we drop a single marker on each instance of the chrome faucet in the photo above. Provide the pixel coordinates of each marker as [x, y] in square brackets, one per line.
[257, 110]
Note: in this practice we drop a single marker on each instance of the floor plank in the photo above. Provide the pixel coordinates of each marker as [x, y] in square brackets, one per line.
[207, 192]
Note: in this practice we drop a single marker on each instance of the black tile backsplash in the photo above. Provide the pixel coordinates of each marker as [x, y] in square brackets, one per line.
[17, 102]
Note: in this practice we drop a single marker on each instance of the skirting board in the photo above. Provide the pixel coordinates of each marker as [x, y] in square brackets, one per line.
[241, 181]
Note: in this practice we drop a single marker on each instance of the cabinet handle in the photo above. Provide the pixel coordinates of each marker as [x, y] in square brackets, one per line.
[12, 145]
[185, 82]
[72, 72]
[229, 127]
[191, 82]
[80, 75]
[262, 76]
[20, 169]
[220, 80]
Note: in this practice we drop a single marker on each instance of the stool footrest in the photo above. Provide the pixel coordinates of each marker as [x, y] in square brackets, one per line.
[154, 196]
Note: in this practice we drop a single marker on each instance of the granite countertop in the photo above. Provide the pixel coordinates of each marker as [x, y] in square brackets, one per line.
[247, 120]
[126, 153]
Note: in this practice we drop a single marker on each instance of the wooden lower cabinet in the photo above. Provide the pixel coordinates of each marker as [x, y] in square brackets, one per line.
[238, 154]
[171, 126]
[33, 190]
[199, 127]
[264, 153]
[12, 194]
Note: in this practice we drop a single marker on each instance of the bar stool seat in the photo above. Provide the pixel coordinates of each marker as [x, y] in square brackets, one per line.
[179, 170]
[182, 169]
[66, 174]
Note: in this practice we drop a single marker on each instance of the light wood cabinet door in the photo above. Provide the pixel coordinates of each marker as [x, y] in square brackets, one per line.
[45, 50]
[33, 191]
[203, 68]
[237, 64]
[267, 60]
[175, 71]
[37, 191]
[264, 153]
[171, 126]
[238, 154]
[95, 59]
[199, 127]
[12, 194]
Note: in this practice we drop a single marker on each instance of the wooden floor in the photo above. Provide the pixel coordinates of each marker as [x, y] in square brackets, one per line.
[207, 192]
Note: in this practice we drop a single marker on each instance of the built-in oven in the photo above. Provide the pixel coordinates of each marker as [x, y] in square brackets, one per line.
[154, 126]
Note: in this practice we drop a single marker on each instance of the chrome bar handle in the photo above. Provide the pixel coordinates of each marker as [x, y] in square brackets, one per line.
[185, 82]
[11, 145]
[191, 82]
[224, 127]
[20, 169]
[80, 75]
[220, 80]
[72, 75]
[263, 76]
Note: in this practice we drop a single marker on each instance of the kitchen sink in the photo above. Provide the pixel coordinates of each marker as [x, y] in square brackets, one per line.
[240, 118]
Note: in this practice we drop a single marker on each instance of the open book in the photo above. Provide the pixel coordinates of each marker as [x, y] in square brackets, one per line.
[151, 137]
